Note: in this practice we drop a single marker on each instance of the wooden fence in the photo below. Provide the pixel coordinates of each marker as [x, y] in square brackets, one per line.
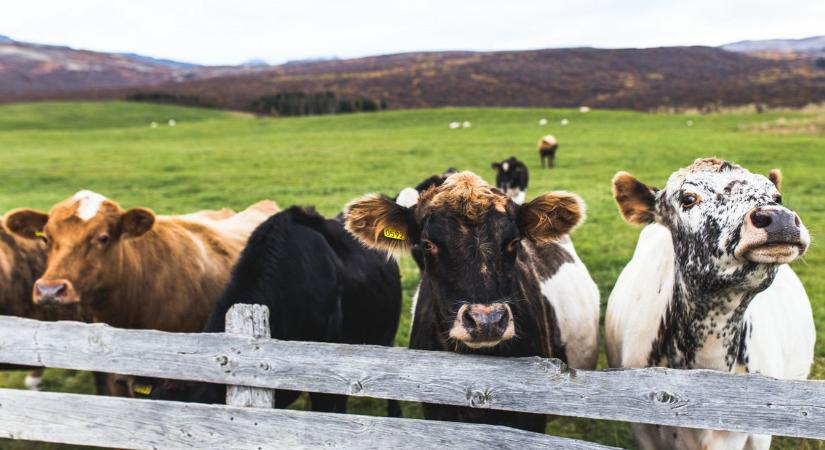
[246, 359]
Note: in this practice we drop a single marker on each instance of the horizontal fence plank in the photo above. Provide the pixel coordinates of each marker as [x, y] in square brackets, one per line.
[692, 398]
[145, 424]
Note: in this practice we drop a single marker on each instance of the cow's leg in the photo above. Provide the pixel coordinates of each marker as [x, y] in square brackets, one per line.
[34, 379]
[541, 155]
[328, 402]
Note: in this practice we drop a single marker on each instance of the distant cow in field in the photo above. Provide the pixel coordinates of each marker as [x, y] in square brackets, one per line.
[320, 284]
[133, 269]
[547, 150]
[490, 277]
[512, 178]
[709, 287]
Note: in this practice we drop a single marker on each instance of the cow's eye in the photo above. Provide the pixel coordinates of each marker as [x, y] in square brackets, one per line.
[44, 238]
[689, 200]
[777, 199]
[103, 239]
[428, 246]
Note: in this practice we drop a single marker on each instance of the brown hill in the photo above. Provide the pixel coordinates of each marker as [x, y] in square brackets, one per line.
[668, 77]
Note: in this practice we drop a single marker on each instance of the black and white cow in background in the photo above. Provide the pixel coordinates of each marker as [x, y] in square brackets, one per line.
[709, 287]
[512, 178]
[489, 277]
[548, 145]
[319, 283]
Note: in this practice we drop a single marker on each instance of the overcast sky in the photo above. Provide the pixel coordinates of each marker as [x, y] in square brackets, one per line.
[230, 32]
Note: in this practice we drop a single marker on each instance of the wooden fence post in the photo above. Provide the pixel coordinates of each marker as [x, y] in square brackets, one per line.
[253, 321]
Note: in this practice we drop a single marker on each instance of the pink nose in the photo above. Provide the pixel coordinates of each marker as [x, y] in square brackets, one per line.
[485, 322]
[47, 292]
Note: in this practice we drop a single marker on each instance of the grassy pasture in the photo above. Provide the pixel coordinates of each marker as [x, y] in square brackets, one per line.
[214, 159]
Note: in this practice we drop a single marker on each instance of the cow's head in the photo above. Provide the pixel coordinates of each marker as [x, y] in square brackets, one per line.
[728, 224]
[84, 235]
[471, 238]
[511, 178]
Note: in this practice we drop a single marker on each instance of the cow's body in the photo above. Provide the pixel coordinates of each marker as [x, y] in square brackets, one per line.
[512, 178]
[166, 276]
[320, 285]
[548, 145]
[722, 312]
[491, 271]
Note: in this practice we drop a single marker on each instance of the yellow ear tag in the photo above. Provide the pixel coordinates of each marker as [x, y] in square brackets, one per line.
[39, 233]
[142, 389]
[394, 234]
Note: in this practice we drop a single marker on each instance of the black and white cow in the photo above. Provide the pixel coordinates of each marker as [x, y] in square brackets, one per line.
[709, 287]
[512, 178]
[548, 145]
[489, 276]
[319, 283]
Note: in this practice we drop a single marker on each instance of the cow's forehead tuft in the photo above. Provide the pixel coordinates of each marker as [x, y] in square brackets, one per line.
[465, 192]
[88, 204]
[709, 171]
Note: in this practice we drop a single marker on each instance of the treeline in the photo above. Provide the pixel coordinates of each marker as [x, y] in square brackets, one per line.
[299, 103]
[174, 99]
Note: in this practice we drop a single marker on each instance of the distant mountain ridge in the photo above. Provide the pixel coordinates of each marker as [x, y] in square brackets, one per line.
[651, 78]
[811, 45]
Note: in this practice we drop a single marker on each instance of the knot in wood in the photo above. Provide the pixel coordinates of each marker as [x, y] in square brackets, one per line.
[222, 360]
[663, 397]
[478, 399]
[356, 387]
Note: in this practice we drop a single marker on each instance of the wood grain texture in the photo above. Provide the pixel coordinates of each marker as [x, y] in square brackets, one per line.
[252, 321]
[146, 424]
[686, 398]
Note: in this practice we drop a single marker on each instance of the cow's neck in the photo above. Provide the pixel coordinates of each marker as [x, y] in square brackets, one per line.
[702, 328]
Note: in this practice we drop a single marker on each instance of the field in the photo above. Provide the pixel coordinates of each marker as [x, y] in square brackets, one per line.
[213, 159]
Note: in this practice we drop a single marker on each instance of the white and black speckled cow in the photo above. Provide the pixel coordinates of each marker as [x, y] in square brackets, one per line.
[709, 287]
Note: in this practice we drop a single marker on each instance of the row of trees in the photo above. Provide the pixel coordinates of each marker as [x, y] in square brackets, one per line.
[298, 103]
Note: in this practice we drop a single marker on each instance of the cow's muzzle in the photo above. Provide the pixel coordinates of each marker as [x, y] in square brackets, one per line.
[54, 292]
[478, 325]
[772, 235]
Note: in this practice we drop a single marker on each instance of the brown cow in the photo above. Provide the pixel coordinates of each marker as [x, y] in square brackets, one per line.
[133, 269]
[21, 262]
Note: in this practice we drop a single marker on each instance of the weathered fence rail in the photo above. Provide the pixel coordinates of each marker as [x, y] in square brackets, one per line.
[697, 399]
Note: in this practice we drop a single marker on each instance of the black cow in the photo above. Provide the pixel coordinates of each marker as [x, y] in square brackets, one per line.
[320, 285]
[512, 178]
[485, 261]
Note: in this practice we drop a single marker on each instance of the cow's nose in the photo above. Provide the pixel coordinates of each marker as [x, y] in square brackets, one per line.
[781, 225]
[486, 322]
[52, 291]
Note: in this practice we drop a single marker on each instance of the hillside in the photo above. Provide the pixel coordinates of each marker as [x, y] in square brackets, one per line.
[667, 77]
[814, 45]
[35, 71]
[679, 77]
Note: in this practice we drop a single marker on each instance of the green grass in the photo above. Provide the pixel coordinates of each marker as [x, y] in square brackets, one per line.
[216, 159]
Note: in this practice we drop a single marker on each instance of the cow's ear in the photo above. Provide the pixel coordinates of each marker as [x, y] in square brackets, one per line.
[636, 200]
[495, 166]
[775, 176]
[550, 216]
[26, 223]
[381, 223]
[136, 222]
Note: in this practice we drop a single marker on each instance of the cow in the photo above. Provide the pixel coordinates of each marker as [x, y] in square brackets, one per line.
[512, 178]
[547, 149]
[21, 262]
[489, 277]
[319, 283]
[133, 269]
[709, 287]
